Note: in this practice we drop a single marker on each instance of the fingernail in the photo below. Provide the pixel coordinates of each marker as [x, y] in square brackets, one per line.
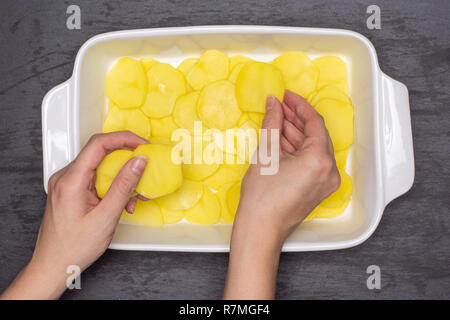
[270, 103]
[139, 164]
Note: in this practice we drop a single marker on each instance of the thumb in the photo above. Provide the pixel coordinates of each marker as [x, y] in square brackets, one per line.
[123, 186]
[274, 114]
[273, 122]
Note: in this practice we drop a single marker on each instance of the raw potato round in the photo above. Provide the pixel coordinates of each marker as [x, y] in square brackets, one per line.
[186, 65]
[212, 66]
[184, 198]
[199, 171]
[257, 118]
[185, 111]
[225, 215]
[133, 120]
[255, 83]
[332, 70]
[237, 59]
[327, 213]
[217, 105]
[233, 197]
[171, 216]
[206, 211]
[299, 73]
[161, 175]
[338, 118]
[328, 92]
[163, 127]
[342, 194]
[126, 84]
[146, 213]
[243, 119]
[235, 71]
[148, 63]
[109, 168]
[225, 174]
[341, 158]
[165, 85]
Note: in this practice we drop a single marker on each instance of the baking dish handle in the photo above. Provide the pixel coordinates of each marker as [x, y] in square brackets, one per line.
[398, 162]
[55, 130]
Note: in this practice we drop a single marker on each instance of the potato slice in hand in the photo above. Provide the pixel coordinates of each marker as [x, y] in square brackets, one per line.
[161, 175]
[299, 73]
[146, 213]
[165, 85]
[185, 111]
[126, 84]
[217, 105]
[206, 211]
[338, 118]
[255, 82]
[257, 118]
[133, 120]
[332, 70]
[212, 66]
[183, 198]
[109, 168]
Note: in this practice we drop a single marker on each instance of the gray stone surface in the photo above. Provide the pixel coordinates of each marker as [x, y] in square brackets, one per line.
[411, 244]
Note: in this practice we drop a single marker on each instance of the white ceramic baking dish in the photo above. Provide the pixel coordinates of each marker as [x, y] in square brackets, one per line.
[381, 161]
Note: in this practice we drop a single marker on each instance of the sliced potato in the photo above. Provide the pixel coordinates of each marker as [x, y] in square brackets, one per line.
[163, 127]
[338, 118]
[217, 105]
[341, 158]
[171, 216]
[185, 111]
[146, 213]
[186, 65]
[225, 215]
[165, 85]
[206, 211]
[243, 119]
[235, 71]
[185, 197]
[255, 82]
[237, 59]
[328, 92]
[161, 175]
[225, 174]
[328, 213]
[233, 197]
[257, 118]
[299, 73]
[213, 65]
[133, 120]
[148, 63]
[126, 83]
[108, 169]
[332, 70]
[342, 194]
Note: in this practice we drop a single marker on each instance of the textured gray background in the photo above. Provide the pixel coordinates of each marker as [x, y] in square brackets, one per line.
[412, 242]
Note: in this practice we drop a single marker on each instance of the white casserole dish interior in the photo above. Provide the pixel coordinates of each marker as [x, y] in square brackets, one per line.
[380, 162]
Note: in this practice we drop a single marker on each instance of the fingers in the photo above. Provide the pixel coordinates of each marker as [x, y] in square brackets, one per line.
[122, 188]
[292, 117]
[286, 146]
[314, 126]
[293, 134]
[99, 146]
[131, 205]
